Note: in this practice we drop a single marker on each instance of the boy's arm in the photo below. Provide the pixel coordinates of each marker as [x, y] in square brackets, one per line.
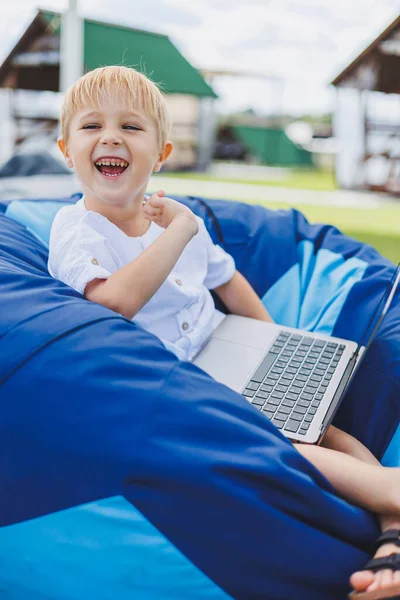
[240, 298]
[127, 290]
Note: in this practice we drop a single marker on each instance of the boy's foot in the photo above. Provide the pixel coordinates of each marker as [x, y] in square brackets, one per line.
[367, 581]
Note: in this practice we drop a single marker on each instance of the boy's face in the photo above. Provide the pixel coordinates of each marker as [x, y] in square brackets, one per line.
[113, 132]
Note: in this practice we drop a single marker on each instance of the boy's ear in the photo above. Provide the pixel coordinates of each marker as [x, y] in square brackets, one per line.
[63, 147]
[163, 156]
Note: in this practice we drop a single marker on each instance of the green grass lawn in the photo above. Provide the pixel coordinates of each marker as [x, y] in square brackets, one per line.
[379, 227]
[301, 179]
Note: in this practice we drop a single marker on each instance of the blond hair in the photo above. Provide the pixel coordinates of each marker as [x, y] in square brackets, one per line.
[113, 81]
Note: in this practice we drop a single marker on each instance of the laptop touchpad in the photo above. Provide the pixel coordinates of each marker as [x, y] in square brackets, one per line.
[229, 363]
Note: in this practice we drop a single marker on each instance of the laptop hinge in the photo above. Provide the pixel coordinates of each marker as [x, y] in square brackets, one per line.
[339, 396]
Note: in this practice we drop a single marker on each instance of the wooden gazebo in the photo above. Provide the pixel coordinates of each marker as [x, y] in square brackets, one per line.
[362, 137]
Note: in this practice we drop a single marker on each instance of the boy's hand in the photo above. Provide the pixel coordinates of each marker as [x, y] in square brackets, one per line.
[163, 211]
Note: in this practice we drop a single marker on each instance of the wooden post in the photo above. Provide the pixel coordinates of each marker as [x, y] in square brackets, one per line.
[363, 115]
[71, 47]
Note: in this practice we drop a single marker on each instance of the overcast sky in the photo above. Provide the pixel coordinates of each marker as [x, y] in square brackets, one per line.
[301, 44]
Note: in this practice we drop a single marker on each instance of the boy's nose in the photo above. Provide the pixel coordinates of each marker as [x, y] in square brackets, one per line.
[111, 138]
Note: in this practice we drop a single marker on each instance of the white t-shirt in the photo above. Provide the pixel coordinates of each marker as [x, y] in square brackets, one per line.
[85, 245]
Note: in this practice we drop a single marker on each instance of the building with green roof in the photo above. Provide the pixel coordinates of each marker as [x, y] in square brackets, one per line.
[271, 146]
[34, 64]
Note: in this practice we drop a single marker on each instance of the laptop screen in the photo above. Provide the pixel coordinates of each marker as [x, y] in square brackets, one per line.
[380, 311]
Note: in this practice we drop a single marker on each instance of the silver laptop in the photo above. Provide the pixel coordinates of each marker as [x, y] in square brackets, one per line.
[296, 378]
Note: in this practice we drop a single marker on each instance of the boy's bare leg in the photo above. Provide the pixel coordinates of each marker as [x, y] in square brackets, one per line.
[336, 441]
[339, 440]
[370, 486]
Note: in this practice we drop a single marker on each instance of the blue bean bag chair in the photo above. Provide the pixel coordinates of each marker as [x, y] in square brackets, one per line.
[126, 473]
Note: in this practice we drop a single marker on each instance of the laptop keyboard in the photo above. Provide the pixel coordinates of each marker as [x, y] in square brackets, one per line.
[292, 379]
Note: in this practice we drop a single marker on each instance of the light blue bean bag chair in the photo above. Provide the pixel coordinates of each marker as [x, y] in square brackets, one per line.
[126, 473]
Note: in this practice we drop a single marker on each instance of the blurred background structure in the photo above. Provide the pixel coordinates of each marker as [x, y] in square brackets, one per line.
[367, 116]
[36, 65]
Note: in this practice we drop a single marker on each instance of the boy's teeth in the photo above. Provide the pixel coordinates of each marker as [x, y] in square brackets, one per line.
[112, 163]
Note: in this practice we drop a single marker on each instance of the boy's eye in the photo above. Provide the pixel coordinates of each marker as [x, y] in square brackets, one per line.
[90, 126]
[132, 127]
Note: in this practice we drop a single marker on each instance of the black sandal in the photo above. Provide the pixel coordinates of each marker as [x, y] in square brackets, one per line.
[391, 536]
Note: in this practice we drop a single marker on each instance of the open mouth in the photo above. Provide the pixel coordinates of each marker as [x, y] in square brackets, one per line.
[111, 167]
